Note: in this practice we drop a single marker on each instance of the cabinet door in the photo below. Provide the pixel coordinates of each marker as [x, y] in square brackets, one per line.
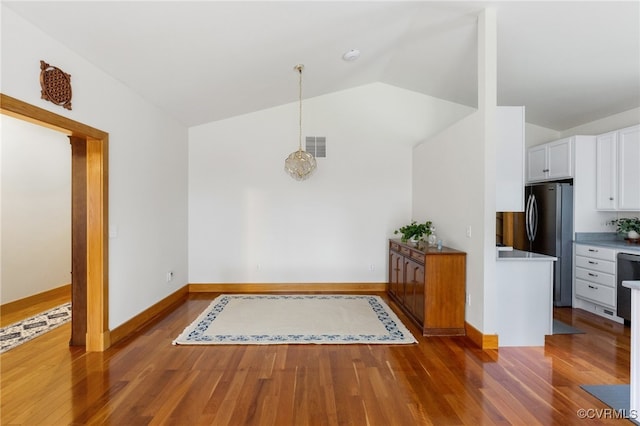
[606, 172]
[560, 157]
[419, 292]
[409, 284]
[414, 297]
[629, 168]
[396, 274]
[537, 163]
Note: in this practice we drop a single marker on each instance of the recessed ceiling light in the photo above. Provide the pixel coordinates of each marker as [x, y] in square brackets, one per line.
[351, 55]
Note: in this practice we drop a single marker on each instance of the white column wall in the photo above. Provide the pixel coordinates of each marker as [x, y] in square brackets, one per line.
[448, 189]
[454, 184]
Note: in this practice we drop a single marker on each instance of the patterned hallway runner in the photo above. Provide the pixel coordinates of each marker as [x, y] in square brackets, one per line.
[20, 332]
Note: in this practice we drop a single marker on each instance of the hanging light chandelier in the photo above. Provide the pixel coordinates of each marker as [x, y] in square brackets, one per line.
[300, 164]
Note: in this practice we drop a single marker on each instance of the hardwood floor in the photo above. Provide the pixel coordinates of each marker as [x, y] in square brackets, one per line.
[440, 381]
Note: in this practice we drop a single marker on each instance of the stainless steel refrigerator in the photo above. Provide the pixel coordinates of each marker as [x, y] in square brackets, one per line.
[548, 229]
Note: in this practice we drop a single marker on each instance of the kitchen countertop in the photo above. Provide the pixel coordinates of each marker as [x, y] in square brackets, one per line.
[511, 255]
[606, 239]
[633, 285]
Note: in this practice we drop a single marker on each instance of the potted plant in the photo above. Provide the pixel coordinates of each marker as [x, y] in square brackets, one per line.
[414, 231]
[629, 226]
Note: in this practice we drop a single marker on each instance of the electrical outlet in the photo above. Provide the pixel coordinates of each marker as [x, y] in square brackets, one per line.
[372, 267]
[468, 231]
[169, 276]
[468, 299]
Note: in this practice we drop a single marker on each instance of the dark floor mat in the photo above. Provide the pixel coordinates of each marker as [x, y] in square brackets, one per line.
[560, 327]
[616, 397]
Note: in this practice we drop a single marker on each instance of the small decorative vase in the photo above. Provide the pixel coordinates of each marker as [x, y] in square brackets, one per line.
[432, 239]
[633, 235]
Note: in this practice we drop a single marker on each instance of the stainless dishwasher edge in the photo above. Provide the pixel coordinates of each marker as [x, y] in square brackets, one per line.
[628, 266]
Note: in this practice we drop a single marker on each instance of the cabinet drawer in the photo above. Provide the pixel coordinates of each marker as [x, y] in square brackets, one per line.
[596, 264]
[417, 256]
[598, 293]
[596, 252]
[405, 250]
[394, 246]
[596, 277]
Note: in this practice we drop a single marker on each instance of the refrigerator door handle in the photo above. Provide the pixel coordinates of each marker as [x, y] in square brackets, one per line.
[528, 218]
[534, 210]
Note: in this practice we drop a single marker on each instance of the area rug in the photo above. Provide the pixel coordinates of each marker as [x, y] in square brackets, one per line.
[20, 332]
[560, 327]
[615, 396]
[288, 319]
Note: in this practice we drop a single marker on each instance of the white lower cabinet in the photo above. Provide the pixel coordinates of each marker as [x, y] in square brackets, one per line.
[597, 293]
[595, 280]
[597, 264]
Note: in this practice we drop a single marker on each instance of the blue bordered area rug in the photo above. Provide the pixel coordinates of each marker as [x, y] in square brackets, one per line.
[20, 332]
[289, 319]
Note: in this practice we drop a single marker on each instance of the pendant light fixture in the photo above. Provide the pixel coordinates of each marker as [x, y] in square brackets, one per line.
[300, 164]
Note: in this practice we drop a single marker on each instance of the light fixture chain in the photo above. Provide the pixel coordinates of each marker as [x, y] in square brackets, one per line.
[300, 109]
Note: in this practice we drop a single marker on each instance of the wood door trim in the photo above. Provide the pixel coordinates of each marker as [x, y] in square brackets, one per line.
[78, 240]
[98, 334]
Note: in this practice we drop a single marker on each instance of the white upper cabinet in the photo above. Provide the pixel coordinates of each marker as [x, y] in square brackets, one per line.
[560, 159]
[510, 159]
[629, 168]
[607, 171]
[550, 161]
[618, 170]
[537, 163]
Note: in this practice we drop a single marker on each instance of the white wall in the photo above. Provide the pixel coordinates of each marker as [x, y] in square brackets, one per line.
[250, 222]
[448, 189]
[606, 124]
[36, 209]
[147, 165]
[536, 135]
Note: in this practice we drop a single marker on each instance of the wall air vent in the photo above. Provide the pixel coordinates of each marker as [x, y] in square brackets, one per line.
[316, 146]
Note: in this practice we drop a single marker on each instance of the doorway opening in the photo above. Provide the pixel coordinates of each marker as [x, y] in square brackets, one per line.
[90, 309]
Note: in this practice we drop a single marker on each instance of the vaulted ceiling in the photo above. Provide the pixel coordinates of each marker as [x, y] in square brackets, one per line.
[568, 62]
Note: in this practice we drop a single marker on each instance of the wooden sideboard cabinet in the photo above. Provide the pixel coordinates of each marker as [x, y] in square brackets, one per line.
[429, 285]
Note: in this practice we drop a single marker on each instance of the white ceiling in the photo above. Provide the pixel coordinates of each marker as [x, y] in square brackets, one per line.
[568, 62]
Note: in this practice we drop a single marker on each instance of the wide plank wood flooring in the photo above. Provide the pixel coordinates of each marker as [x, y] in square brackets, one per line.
[439, 381]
